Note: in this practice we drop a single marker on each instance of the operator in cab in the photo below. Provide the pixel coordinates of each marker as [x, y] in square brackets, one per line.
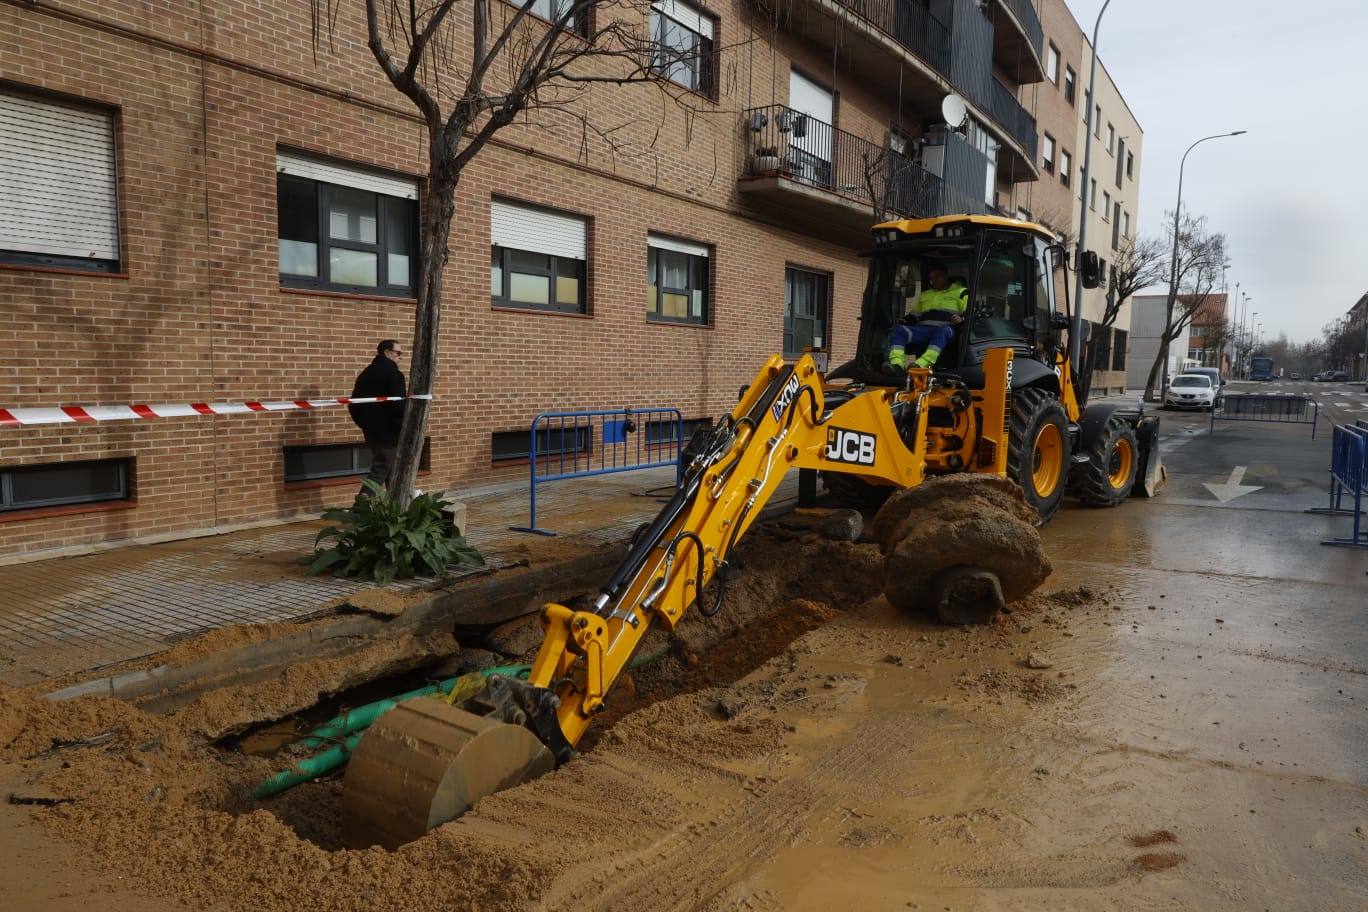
[930, 325]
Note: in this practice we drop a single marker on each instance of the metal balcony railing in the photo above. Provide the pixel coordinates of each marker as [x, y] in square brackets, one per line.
[1004, 108]
[786, 143]
[911, 24]
[1030, 21]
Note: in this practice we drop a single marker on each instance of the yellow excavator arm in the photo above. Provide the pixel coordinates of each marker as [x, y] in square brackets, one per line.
[777, 425]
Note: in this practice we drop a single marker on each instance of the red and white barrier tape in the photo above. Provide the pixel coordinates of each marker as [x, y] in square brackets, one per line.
[80, 414]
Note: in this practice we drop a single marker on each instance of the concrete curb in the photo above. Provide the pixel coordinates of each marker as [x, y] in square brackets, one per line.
[487, 599]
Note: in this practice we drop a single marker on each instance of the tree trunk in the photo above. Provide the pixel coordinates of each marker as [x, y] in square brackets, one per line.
[1154, 372]
[438, 208]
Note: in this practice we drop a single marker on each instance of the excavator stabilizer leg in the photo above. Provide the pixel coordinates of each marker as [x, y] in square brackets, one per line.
[426, 762]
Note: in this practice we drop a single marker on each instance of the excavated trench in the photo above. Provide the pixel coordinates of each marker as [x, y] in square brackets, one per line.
[153, 800]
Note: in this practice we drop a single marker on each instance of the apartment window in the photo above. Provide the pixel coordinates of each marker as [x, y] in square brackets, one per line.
[1101, 346]
[1119, 341]
[537, 258]
[676, 280]
[1047, 153]
[1101, 273]
[1097, 121]
[1120, 160]
[1070, 84]
[574, 442]
[1130, 165]
[1116, 226]
[1106, 206]
[345, 229]
[662, 433]
[1052, 64]
[1125, 224]
[65, 484]
[59, 191]
[320, 462]
[1092, 194]
[807, 306]
[1065, 167]
[683, 39]
[553, 10]
[1111, 138]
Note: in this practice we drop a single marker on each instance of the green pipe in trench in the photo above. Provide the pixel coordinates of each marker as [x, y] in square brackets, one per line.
[344, 731]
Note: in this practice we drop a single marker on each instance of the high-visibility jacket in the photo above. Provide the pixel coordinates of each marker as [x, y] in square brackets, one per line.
[953, 300]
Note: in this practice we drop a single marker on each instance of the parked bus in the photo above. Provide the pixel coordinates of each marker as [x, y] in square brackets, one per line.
[1261, 368]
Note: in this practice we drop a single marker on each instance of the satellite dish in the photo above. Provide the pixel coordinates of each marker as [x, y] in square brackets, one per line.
[955, 112]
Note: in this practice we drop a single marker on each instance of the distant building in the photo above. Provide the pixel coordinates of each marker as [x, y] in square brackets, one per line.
[1209, 334]
[1358, 324]
[1147, 321]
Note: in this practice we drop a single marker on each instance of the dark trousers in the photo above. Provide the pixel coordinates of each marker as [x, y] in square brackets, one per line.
[382, 457]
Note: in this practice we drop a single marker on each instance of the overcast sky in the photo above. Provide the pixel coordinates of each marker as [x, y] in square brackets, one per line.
[1295, 75]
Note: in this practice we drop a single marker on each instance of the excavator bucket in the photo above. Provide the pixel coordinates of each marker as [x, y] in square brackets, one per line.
[1151, 475]
[426, 762]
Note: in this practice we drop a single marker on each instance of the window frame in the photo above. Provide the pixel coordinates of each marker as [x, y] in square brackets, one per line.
[707, 56]
[1106, 205]
[552, 273]
[1052, 57]
[1047, 152]
[424, 463]
[1111, 139]
[67, 262]
[584, 448]
[1130, 161]
[1092, 194]
[126, 477]
[1070, 85]
[1065, 169]
[381, 248]
[828, 280]
[581, 24]
[652, 250]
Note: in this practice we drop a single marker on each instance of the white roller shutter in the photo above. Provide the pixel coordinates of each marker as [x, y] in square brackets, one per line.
[688, 16]
[536, 230]
[667, 243]
[342, 176]
[58, 189]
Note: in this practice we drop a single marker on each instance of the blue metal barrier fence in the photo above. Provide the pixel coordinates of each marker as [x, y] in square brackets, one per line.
[1348, 477]
[1268, 409]
[583, 444]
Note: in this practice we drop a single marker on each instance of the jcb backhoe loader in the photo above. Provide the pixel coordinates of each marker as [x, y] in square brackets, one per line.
[1004, 400]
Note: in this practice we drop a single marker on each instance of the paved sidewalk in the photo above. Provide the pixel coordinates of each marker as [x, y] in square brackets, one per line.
[80, 613]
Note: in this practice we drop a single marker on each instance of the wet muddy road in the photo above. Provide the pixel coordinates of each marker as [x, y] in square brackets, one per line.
[1183, 726]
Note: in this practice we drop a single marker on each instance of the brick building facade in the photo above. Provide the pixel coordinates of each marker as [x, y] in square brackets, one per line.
[222, 115]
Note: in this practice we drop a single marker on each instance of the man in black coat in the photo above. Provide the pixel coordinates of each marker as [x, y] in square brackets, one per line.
[380, 421]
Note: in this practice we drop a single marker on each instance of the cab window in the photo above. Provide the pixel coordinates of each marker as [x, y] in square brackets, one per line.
[1001, 298]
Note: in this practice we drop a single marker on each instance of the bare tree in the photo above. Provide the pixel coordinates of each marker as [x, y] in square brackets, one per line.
[1196, 273]
[1140, 263]
[472, 68]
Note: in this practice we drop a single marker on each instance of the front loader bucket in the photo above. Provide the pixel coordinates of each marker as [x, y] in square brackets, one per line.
[1151, 475]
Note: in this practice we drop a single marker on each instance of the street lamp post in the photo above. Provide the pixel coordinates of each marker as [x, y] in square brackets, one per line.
[1076, 327]
[1173, 263]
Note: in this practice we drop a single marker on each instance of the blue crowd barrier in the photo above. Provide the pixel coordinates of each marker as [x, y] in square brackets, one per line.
[1267, 409]
[1348, 481]
[584, 444]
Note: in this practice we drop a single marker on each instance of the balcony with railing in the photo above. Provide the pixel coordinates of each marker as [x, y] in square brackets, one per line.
[1018, 40]
[1009, 114]
[829, 181]
[911, 24]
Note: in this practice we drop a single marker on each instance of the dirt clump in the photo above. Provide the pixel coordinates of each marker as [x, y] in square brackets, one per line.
[1158, 861]
[957, 520]
[1032, 688]
[1153, 838]
[518, 638]
[382, 602]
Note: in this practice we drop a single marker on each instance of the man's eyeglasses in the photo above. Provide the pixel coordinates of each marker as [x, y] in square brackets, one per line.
[396, 352]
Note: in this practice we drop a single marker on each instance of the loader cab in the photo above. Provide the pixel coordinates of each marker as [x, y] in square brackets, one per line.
[1006, 267]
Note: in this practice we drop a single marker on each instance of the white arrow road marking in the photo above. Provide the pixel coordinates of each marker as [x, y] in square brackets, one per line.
[1231, 489]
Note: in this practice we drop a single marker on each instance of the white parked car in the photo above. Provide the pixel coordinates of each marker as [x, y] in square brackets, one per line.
[1190, 391]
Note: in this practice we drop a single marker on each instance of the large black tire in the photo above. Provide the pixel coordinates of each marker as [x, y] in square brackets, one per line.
[1113, 459]
[1038, 458]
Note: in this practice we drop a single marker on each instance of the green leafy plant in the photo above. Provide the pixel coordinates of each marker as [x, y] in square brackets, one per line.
[374, 537]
